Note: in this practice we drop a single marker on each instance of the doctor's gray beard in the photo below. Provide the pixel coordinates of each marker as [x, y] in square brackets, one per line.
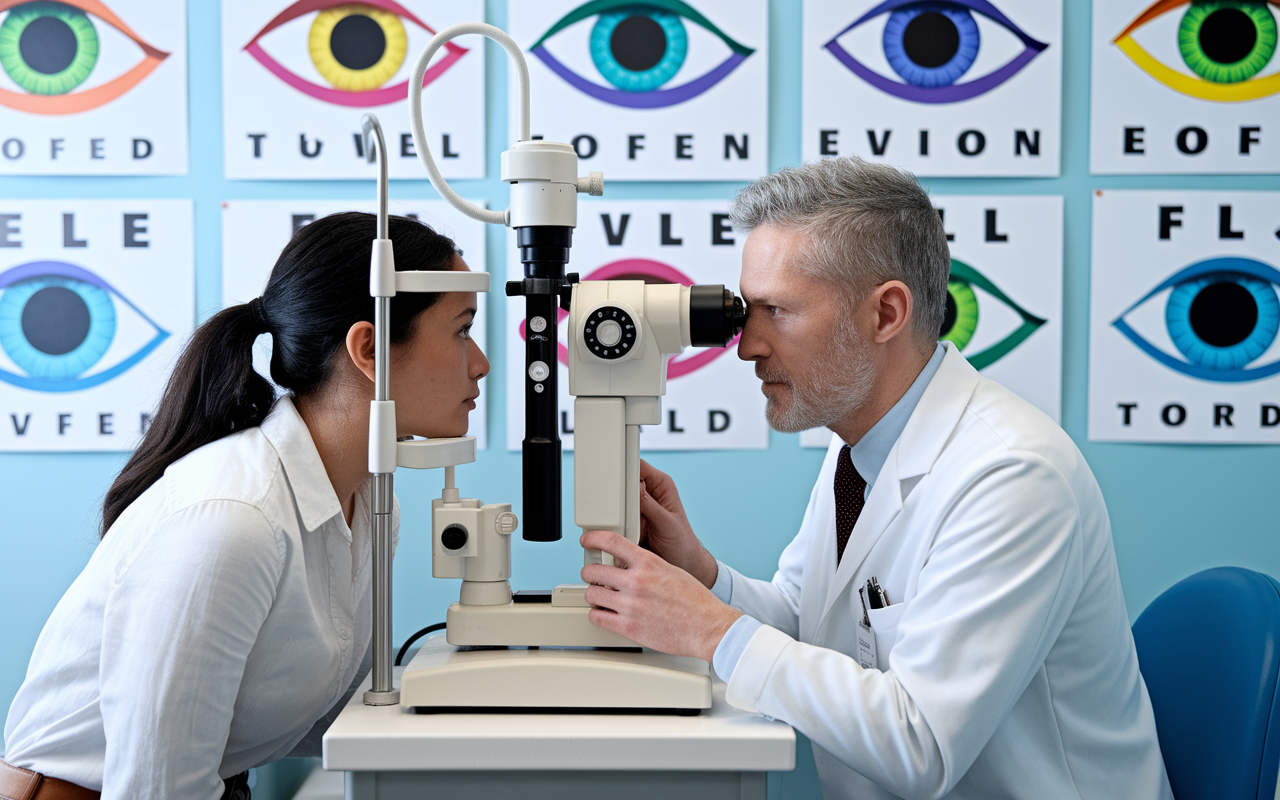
[836, 385]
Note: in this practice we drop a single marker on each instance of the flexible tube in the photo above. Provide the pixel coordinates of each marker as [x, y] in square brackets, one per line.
[415, 111]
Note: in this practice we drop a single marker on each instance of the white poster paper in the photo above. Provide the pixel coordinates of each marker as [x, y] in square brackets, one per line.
[1184, 88]
[255, 231]
[713, 399]
[957, 88]
[296, 79]
[1004, 311]
[87, 89]
[97, 299]
[1183, 318]
[660, 90]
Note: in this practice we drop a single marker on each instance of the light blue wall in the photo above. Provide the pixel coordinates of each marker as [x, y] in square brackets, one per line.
[1175, 509]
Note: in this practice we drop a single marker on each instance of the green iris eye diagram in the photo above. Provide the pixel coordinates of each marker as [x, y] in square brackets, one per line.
[961, 319]
[48, 48]
[1227, 41]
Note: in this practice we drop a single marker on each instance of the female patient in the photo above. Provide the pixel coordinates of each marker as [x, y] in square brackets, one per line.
[224, 619]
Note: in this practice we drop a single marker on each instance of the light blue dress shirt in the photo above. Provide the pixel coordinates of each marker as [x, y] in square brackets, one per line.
[868, 456]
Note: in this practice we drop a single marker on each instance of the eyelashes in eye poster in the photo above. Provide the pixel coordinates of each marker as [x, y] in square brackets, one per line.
[656, 90]
[944, 88]
[93, 87]
[298, 76]
[1183, 87]
[1004, 298]
[97, 299]
[1184, 317]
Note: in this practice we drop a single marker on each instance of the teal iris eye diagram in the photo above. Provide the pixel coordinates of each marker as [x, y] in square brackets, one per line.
[962, 317]
[65, 329]
[931, 46]
[641, 51]
[1221, 314]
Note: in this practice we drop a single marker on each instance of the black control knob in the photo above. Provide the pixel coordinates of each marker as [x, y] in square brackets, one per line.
[454, 537]
[609, 332]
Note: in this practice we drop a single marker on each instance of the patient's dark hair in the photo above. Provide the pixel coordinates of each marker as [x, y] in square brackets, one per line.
[318, 289]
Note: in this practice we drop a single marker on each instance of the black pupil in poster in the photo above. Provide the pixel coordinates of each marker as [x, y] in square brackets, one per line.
[48, 45]
[931, 40]
[1228, 35]
[357, 42]
[638, 43]
[949, 316]
[1224, 314]
[55, 320]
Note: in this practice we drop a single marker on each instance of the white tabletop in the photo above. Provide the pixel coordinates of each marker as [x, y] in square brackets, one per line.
[369, 738]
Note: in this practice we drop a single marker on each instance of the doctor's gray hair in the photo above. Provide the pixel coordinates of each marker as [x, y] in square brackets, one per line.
[865, 224]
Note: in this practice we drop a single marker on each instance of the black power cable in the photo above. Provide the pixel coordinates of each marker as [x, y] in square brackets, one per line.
[404, 648]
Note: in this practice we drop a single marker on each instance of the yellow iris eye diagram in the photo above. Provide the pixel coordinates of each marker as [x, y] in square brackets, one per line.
[1225, 44]
[343, 61]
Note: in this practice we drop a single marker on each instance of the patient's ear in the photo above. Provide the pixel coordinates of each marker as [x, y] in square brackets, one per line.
[360, 347]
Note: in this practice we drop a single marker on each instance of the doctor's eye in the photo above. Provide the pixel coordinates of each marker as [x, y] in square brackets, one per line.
[1221, 315]
[1224, 46]
[646, 52]
[932, 45]
[63, 328]
[357, 49]
[49, 49]
[971, 297]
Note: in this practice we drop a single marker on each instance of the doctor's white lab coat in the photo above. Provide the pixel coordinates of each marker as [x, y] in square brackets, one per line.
[1006, 665]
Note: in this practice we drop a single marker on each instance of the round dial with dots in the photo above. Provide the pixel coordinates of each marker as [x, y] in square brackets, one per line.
[609, 333]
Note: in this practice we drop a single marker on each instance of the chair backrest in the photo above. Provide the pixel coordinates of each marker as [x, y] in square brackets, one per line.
[1209, 651]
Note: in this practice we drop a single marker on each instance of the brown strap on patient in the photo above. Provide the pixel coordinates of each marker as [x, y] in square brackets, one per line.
[23, 784]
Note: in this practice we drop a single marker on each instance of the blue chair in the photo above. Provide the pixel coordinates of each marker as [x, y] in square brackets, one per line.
[1209, 651]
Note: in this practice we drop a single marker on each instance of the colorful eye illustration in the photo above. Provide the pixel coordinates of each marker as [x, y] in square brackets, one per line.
[931, 45]
[1225, 43]
[641, 49]
[649, 271]
[961, 321]
[1221, 314]
[357, 48]
[49, 49]
[60, 323]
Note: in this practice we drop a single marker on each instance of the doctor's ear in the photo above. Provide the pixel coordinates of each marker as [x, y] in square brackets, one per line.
[360, 341]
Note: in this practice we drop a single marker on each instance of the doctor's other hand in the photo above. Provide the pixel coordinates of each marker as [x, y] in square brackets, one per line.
[651, 602]
[665, 529]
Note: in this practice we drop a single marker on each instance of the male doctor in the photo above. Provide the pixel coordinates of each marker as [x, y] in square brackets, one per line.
[949, 621]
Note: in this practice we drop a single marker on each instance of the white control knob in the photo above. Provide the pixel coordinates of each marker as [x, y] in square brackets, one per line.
[609, 333]
[539, 371]
[506, 523]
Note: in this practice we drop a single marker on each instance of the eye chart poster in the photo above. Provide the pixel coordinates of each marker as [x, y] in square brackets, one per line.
[1183, 87]
[664, 90]
[1184, 315]
[97, 299]
[93, 88]
[966, 88]
[713, 399]
[255, 231]
[296, 79]
[1004, 299]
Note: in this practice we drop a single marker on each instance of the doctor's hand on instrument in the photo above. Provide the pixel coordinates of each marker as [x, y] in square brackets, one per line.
[651, 602]
[665, 529]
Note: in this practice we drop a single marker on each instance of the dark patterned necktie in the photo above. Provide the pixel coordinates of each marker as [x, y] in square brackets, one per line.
[850, 488]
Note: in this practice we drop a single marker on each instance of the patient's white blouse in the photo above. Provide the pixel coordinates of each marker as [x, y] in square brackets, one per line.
[221, 624]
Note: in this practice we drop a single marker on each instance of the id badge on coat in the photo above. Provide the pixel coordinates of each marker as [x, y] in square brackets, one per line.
[866, 647]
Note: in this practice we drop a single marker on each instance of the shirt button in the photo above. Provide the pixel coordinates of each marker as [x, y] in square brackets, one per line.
[345, 635]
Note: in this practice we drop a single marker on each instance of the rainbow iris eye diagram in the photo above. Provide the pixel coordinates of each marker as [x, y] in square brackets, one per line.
[357, 47]
[59, 323]
[931, 46]
[639, 48]
[649, 271]
[1224, 43]
[48, 49]
[1221, 315]
[961, 320]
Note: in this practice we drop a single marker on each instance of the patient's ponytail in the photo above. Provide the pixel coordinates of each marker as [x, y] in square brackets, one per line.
[318, 289]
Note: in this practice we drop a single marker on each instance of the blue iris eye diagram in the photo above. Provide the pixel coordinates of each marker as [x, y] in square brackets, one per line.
[58, 321]
[931, 45]
[1222, 314]
[639, 48]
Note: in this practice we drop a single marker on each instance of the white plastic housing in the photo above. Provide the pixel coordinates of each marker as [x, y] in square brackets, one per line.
[382, 436]
[662, 313]
[544, 183]
[382, 269]
[486, 556]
